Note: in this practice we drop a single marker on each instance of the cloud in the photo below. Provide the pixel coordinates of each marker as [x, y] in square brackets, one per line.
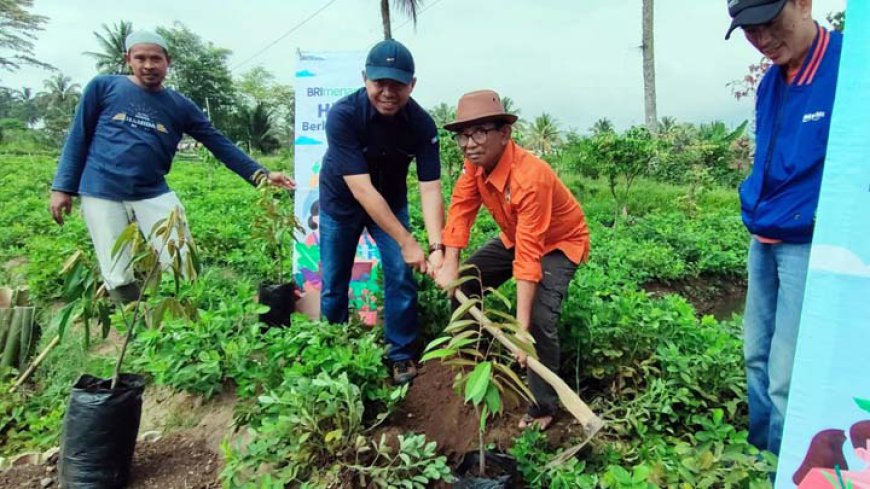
[837, 259]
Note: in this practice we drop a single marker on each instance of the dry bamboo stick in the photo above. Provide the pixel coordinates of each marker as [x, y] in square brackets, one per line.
[572, 402]
[26, 375]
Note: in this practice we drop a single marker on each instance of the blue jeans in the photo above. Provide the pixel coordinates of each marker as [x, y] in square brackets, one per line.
[777, 276]
[338, 242]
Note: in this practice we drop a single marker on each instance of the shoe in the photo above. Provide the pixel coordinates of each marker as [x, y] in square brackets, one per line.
[404, 371]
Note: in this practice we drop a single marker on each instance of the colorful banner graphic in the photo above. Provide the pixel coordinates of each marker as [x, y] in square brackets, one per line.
[321, 80]
[827, 429]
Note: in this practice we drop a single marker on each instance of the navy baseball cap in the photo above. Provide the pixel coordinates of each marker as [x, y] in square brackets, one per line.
[390, 60]
[752, 12]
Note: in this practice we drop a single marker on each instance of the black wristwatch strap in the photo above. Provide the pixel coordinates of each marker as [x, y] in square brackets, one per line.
[436, 247]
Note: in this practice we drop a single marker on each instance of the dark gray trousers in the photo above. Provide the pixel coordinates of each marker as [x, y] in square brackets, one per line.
[495, 265]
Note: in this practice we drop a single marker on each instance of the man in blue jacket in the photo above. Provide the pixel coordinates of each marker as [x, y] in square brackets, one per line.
[779, 198]
[120, 148]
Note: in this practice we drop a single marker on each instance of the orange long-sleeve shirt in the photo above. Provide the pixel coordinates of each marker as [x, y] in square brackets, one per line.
[534, 209]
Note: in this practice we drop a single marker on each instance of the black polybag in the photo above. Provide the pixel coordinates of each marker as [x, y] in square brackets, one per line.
[467, 472]
[281, 300]
[99, 432]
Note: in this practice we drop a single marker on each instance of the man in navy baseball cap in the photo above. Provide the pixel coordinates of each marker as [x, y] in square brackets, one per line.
[390, 60]
[752, 12]
[373, 135]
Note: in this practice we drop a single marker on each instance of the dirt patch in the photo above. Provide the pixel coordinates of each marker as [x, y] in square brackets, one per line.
[433, 408]
[27, 476]
[177, 461]
[210, 420]
[716, 295]
[15, 263]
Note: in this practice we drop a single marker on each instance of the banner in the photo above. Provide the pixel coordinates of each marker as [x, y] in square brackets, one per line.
[321, 80]
[827, 430]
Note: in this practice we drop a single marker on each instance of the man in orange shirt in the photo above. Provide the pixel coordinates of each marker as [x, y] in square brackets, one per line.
[543, 231]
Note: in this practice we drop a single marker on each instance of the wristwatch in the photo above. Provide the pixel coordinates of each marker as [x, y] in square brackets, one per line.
[436, 247]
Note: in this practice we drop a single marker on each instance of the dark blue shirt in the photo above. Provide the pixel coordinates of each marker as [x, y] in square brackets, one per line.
[362, 141]
[123, 138]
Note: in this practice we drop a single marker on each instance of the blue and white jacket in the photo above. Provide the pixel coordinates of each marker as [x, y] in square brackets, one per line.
[779, 198]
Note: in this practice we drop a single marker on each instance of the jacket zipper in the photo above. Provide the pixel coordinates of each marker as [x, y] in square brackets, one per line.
[776, 127]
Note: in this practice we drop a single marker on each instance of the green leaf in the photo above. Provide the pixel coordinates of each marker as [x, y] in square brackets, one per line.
[493, 399]
[459, 325]
[460, 281]
[64, 317]
[863, 404]
[478, 382]
[507, 317]
[514, 381]
[462, 310]
[437, 341]
[333, 435]
[125, 238]
[444, 352]
[498, 295]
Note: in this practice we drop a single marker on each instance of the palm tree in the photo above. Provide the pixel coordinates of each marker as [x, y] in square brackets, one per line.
[602, 126]
[410, 7]
[543, 135]
[60, 93]
[29, 107]
[649, 69]
[111, 60]
[668, 124]
[259, 128]
[443, 114]
[57, 104]
[510, 106]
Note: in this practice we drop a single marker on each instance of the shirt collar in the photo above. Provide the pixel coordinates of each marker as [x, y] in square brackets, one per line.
[499, 176]
[816, 53]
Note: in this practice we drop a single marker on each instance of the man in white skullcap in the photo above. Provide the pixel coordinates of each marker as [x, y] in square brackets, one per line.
[120, 147]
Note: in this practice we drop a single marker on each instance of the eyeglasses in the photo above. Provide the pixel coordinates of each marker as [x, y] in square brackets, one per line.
[477, 134]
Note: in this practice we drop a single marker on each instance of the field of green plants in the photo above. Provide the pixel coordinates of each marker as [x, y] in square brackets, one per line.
[668, 382]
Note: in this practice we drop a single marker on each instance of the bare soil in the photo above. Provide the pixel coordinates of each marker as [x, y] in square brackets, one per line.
[716, 295]
[433, 408]
[189, 457]
[177, 461]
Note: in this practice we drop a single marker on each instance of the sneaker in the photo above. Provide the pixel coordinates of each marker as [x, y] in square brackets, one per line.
[404, 371]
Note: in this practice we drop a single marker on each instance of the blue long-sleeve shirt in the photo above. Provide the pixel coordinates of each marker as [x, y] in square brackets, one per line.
[123, 138]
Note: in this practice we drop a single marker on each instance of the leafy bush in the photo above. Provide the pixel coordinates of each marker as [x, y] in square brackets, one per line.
[312, 430]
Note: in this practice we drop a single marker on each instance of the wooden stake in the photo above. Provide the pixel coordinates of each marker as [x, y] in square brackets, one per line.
[26, 375]
[5, 297]
[13, 340]
[5, 324]
[572, 402]
[25, 345]
[21, 297]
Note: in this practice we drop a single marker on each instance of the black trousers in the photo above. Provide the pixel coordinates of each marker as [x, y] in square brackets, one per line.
[494, 262]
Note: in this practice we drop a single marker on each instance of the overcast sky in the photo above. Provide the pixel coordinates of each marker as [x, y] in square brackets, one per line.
[579, 60]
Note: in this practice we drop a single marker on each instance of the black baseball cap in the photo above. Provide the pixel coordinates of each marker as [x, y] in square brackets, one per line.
[752, 12]
[390, 60]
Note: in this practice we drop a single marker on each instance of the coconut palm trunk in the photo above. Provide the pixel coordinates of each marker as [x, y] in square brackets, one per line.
[410, 7]
[385, 17]
[649, 68]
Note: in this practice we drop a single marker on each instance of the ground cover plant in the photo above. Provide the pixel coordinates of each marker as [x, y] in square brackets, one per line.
[668, 382]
